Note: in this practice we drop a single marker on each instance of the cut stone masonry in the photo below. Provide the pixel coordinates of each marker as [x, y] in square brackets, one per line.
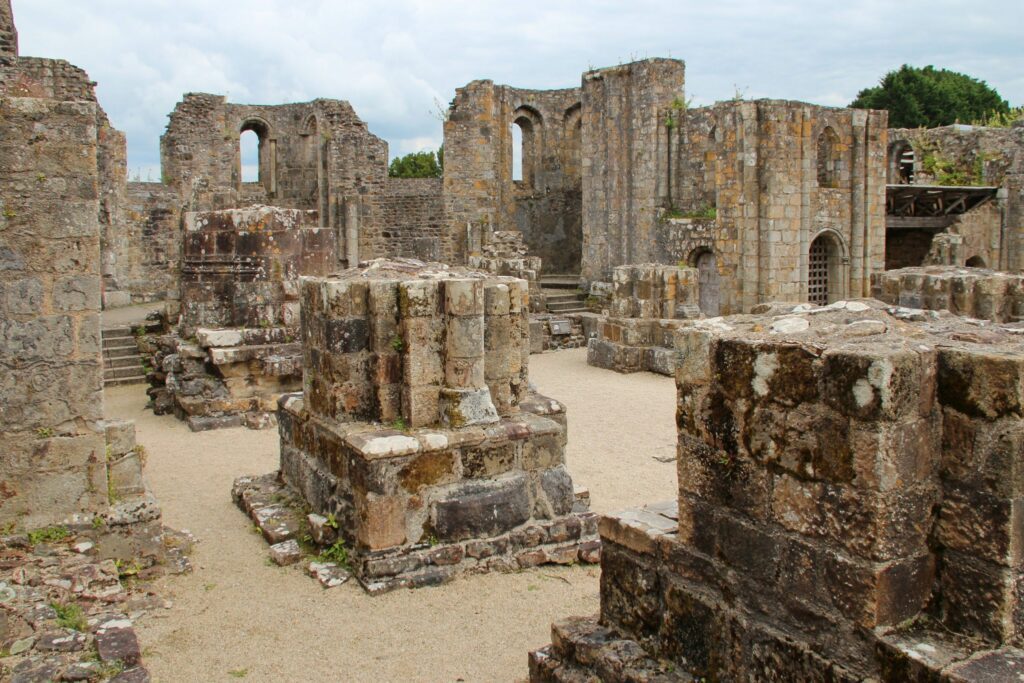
[847, 481]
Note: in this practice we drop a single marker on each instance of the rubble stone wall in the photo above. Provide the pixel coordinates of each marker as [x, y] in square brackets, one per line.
[970, 292]
[51, 371]
[480, 193]
[408, 221]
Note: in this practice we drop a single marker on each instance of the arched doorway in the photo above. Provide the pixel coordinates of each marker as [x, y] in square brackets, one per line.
[823, 265]
[709, 289]
[975, 262]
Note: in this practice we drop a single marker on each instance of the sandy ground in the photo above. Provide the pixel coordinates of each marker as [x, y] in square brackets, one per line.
[236, 618]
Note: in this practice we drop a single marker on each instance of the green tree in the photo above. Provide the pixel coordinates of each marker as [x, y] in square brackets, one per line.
[418, 165]
[931, 97]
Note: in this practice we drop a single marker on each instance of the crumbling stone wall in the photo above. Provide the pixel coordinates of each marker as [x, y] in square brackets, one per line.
[236, 348]
[478, 185]
[316, 156]
[970, 292]
[844, 509]
[416, 430]
[978, 156]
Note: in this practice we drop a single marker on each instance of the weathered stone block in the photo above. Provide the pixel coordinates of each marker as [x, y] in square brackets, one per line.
[981, 383]
[479, 510]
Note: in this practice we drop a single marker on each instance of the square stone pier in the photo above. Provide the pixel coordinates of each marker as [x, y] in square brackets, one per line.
[417, 432]
[849, 509]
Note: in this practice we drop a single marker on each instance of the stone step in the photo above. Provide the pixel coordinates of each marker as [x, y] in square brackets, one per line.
[559, 298]
[122, 362]
[121, 373]
[118, 381]
[120, 351]
[559, 281]
[566, 307]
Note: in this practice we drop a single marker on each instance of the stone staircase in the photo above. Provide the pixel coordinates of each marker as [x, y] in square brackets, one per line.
[563, 294]
[122, 363]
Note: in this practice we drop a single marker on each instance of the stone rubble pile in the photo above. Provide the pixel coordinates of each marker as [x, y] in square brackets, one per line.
[69, 597]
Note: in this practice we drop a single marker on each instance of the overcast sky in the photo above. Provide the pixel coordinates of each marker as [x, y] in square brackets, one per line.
[393, 59]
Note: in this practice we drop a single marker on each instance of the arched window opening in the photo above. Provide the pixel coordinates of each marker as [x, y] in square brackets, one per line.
[828, 158]
[823, 271]
[526, 123]
[517, 149]
[976, 262]
[901, 163]
[250, 150]
[711, 169]
[573, 132]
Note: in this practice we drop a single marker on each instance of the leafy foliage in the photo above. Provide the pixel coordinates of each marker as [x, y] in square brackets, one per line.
[418, 165]
[336, 553]
[931, 97]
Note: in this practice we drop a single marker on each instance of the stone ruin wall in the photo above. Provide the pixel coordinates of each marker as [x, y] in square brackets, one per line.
[61, 458]
[480, 194]
[846, 509]
[965, 155]
[624, 161]
[970, 292]
[236, 350]
[756, 164]
[410, 222]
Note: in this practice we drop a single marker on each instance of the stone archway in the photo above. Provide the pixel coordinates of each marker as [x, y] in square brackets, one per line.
[709, 296]
[826, 269]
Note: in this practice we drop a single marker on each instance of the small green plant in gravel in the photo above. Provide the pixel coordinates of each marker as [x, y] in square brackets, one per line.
[336, 553]
[70, 615]
[49, 534]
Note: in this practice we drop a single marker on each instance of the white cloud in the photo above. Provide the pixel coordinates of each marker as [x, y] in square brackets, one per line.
[391, 60]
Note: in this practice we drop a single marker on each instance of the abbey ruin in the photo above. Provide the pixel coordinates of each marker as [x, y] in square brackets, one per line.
[840, 305]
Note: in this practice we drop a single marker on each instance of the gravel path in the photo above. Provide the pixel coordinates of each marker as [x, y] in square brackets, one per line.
[236, 618]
